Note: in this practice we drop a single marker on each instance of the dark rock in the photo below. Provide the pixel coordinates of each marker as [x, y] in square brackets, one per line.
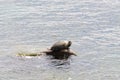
[63, 54]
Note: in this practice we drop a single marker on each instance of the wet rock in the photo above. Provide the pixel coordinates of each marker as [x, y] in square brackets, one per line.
[63, 54]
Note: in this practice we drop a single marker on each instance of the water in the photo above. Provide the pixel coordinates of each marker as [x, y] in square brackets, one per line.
[34, 25]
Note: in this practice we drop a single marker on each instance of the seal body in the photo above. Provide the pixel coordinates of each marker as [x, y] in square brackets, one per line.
[60, 50]
[61, 45]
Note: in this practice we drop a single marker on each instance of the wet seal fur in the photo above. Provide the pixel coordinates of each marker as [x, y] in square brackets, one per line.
[61, 45]
[60, 50]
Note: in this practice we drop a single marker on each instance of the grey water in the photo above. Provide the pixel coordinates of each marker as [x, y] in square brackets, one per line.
[34, 25]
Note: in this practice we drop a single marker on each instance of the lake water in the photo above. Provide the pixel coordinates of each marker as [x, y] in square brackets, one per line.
[34, 25]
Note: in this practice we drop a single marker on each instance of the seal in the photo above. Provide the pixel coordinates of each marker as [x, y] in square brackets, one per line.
[60, 50]
[61, 45]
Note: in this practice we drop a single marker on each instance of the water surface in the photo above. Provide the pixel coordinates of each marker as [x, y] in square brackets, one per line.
[34, 25]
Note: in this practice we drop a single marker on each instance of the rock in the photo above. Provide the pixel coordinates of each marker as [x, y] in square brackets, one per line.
[63, 54]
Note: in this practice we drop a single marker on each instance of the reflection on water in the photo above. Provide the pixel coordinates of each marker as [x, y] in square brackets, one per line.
[60, 63]
[34, 25]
